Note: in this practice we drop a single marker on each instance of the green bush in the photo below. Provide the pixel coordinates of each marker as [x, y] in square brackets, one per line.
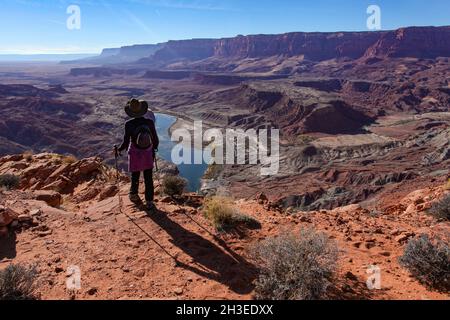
[18, 282]
[428, 261]
[9, 181]
[441, 209]
[173, 185]
[295, 267]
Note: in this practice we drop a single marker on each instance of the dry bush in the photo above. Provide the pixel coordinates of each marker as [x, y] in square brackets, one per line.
[224, 216]
[295, 266]
[9, 181]
[441, 209]
[173, 185]
[28, 155]
[305, 139]
[428, 261]
[447, 186]
[69, 159]
[18, 282]
[213, 171]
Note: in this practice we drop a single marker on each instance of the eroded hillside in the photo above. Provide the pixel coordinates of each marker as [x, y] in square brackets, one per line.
[84, 225]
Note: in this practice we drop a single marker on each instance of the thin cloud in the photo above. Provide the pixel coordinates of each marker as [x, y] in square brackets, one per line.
[139, 23]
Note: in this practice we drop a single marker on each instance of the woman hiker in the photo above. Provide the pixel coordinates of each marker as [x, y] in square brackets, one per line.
[141, 140]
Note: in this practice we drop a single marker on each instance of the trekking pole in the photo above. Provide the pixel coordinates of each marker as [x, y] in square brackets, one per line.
[156, 160]
[177, 263]
[116, 157]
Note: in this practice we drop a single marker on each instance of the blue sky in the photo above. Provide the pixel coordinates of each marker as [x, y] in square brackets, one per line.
[39, 26]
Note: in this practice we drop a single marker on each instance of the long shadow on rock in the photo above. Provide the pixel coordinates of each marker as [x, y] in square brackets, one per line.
[208, 259]
[8, 247]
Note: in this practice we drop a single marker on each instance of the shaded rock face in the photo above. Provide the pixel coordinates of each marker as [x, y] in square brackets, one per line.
[108, 52]
[52, 198]
[335, 119]
[136, 51]
[418, 42]
[7, 216]
[425, 43]
[24, 90]
[195, 49]
[322, 85]
[314, 46]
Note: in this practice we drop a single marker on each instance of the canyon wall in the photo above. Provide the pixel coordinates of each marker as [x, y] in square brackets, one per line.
[416, 42]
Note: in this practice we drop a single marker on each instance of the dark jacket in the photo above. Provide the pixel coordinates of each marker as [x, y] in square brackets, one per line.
[130, 129]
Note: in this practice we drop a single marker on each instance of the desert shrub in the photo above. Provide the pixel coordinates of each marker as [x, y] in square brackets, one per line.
[447, 186]
[441, 209]
[428, 261]
[18, 282]
[28, 155]
[295, 266]
[173, 185]
[224, 216]
[9, 181]
[304, 139]
[213, 171]
[69, 159]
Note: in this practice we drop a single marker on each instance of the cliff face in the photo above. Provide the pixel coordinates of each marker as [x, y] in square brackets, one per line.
[425, 42]
[125, 54]
[138, 51]
[314, 46]
[195, 49]
[416, 42]
[108, 52]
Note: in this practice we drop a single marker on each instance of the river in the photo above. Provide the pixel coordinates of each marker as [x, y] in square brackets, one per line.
[191, 172]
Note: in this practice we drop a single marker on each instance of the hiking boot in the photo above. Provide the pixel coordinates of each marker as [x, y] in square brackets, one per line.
[134, 198]
[150, 207]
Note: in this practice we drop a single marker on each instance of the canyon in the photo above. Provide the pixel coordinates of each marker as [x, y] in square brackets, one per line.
[358, 112]
[364, 122]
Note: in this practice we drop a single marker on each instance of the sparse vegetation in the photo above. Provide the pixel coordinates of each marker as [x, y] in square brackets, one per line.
[213, 171]
[28, 155]
[447, 186]
[69, 159]
[428, 261]
[441, 209]
[18, 282]
[295, 266]
[304, 139]
[9, 181]
[173, 185]
[224, 216]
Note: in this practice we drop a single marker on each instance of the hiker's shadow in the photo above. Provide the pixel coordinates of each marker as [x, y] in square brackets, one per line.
[8, 246]
[220, 264]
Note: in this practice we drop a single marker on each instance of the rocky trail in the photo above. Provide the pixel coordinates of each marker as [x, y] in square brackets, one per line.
[82, 225]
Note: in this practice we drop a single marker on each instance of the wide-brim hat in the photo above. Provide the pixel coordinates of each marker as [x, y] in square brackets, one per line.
[136, 108]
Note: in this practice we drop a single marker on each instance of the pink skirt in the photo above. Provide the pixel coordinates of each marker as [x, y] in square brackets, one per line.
[139, 160]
